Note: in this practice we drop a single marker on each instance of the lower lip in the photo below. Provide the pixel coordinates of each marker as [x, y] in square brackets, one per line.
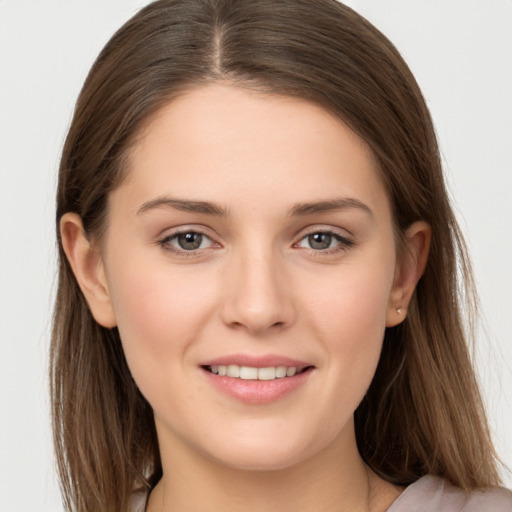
[257, 391]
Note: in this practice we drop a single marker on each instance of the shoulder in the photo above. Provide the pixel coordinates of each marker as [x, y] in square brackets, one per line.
[138, 501]
[433, 494]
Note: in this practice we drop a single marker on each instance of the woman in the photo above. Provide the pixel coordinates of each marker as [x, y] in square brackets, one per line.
[258, 306]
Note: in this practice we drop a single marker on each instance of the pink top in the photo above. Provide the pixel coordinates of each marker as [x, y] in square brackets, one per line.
[433, 494]
[428, 494]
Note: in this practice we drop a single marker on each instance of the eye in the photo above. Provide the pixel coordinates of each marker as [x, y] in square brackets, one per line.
[320, 241]
[186, 241]
[190, 241]
[326, 241]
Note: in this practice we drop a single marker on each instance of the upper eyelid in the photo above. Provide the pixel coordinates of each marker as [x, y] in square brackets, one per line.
[167, 235]
[193, 228]
[342, 232]
[342, 240]
[175, 234]
[170, 233]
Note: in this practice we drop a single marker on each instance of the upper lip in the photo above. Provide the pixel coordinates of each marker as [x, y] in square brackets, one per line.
[257, 361]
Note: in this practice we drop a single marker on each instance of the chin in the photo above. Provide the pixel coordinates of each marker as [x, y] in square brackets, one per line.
[260, 460]
[267, 453]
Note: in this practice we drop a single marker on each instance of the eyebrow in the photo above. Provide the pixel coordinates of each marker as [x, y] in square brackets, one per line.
[299, 209]
[342, 203]
[184, 205]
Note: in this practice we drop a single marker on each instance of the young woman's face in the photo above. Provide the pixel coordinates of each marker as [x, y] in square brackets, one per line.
[252, 236]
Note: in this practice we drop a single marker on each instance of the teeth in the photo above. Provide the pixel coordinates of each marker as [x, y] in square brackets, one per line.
[248, 373]
[233, 370]
[251, 373]
[281, 372]
[291, 371]
[266, 373]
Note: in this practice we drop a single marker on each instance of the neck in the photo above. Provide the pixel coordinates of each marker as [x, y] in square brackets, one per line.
[335, 480]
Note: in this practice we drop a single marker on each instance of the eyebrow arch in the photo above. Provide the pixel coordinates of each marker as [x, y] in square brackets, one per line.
[184, 205]
[343, 203]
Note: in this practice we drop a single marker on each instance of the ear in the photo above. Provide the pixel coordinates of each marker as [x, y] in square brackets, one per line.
[87, 265]
[409, 269]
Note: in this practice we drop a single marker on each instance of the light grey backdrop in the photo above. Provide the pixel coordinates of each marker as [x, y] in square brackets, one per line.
[461, 53]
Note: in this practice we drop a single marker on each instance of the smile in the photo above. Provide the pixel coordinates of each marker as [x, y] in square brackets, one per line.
[253, 373]
[260, 383]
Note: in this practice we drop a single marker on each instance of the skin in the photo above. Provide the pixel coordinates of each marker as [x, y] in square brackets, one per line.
[254, 286]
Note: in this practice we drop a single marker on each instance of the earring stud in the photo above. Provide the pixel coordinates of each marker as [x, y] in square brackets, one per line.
[399, 311]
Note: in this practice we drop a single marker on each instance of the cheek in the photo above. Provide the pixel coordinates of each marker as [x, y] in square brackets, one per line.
[350, 319]
[353, 302]
[159, 314]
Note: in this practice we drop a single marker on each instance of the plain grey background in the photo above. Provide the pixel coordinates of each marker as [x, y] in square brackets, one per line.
[461, 54]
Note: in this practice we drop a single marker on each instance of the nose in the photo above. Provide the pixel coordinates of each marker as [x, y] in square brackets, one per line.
[257, 294]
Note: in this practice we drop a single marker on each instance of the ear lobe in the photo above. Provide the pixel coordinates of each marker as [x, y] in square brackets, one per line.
[409, 270]
[87, 265]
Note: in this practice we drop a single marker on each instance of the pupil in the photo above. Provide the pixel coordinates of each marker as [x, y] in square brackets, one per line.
[190, 241]
[320, 240]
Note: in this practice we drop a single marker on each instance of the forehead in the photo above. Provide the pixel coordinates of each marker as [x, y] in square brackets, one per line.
[229, 142]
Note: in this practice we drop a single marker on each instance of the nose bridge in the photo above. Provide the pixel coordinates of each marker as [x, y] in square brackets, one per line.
[256, 295]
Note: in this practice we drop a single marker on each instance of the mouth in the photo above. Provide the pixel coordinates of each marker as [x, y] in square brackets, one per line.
[257, 379]
[256, 373]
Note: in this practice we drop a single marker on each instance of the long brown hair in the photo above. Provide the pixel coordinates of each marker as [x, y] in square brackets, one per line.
[423, 412]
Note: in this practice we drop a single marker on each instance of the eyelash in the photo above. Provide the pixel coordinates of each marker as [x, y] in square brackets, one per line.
[343, 243]
[165, 242]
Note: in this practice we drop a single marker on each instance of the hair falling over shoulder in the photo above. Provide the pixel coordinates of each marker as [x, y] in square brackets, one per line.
[423, 412]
